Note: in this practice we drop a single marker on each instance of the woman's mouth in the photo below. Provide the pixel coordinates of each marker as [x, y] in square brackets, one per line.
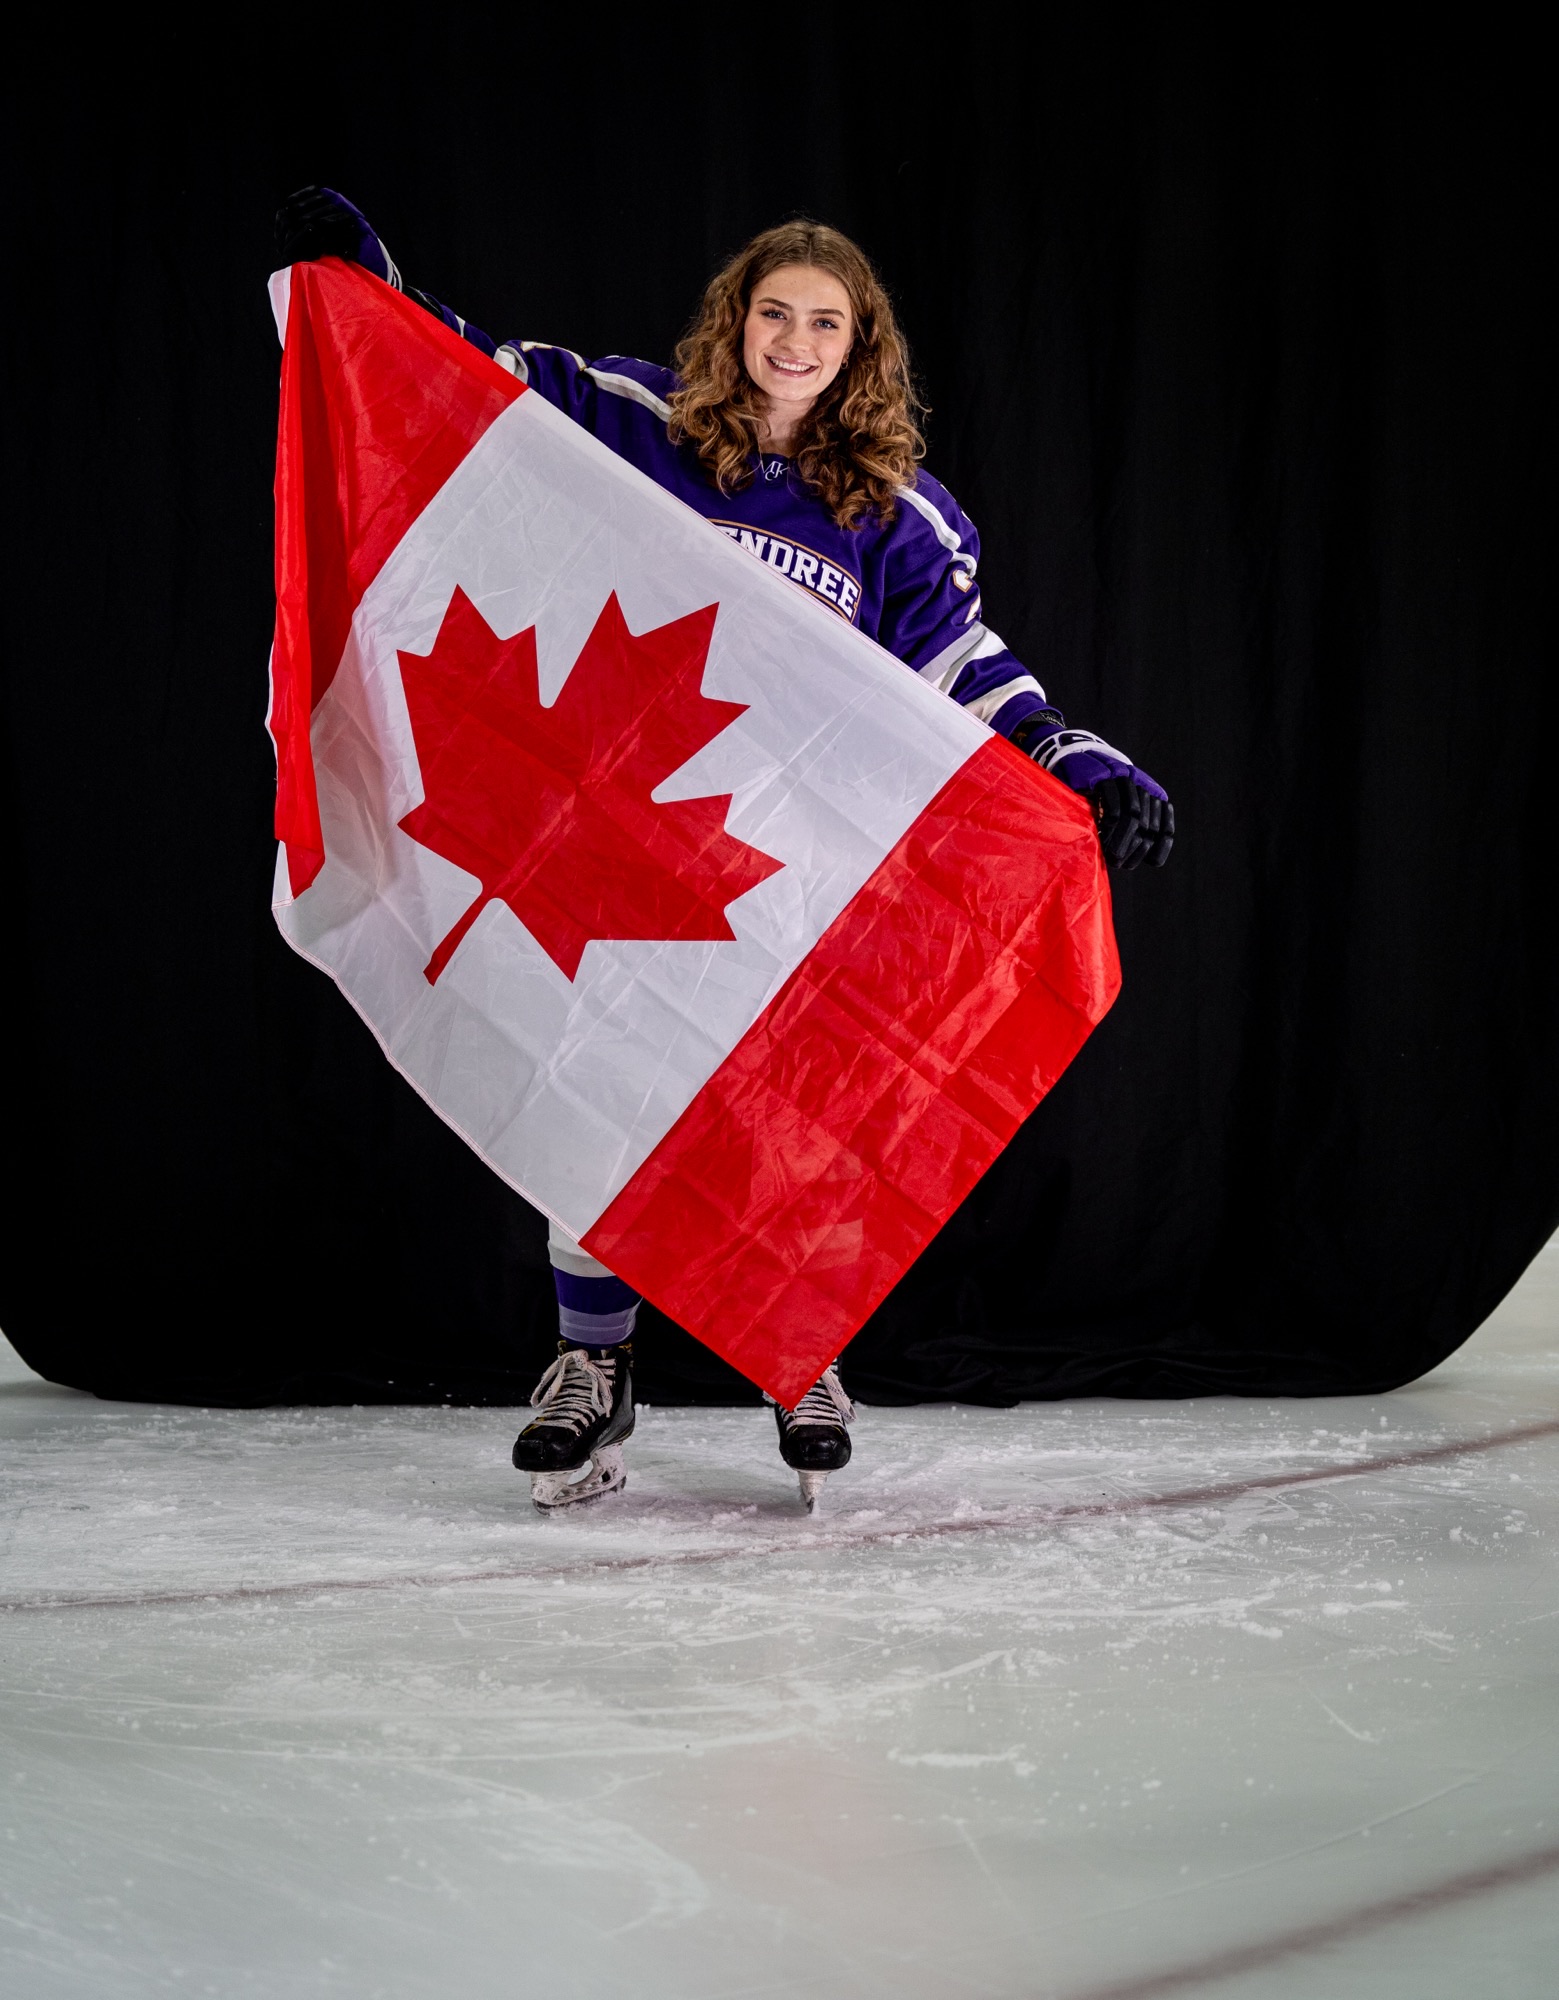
[792, 368]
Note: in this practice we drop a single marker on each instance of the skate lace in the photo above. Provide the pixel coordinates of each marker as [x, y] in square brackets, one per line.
[824, 1403]
[575, 1390]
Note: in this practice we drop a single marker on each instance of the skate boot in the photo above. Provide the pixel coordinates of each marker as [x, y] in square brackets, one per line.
[586, 1404]
[813, 1440]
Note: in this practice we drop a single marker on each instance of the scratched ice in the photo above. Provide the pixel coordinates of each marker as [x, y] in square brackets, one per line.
[343, 1717]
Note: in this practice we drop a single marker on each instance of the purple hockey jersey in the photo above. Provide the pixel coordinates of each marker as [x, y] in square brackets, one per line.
[909, 583]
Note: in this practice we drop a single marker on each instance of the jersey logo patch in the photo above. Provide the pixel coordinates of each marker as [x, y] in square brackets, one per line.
[839, 590]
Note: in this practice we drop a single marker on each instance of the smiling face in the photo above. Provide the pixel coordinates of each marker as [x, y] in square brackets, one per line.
[797, 338]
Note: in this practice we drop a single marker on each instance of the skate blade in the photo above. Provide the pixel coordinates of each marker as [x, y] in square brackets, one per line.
[551, 1490]
[811, 1489]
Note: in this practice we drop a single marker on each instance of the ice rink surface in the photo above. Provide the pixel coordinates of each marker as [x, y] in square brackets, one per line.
[1099, 1701]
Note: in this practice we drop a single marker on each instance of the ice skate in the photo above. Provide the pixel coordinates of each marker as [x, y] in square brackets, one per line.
[813, 1440]
[573, 1449]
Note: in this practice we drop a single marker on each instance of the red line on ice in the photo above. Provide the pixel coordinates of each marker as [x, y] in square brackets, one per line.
[1013, 1517]
[1330, 1930]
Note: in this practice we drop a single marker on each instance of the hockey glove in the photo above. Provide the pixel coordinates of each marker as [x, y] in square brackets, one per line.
[318, 222]
[1136, 821]
[1136, 826]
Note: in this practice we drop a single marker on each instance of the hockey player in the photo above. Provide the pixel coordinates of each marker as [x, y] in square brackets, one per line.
[789, 424]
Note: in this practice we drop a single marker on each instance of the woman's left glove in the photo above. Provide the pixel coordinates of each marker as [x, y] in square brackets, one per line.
[318, 222]
[1136, 824]
[1136, 821]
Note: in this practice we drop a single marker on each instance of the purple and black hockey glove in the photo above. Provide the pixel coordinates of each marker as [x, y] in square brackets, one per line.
[1136, 826]
[1136, 820]
[318, 222]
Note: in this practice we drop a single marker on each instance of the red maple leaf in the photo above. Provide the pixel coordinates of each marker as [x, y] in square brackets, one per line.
[550, 807]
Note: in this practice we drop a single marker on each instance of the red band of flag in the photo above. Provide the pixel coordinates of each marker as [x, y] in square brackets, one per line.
[379, 404]
[895, 1064]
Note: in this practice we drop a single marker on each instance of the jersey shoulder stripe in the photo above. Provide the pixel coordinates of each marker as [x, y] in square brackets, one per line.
[639, 381]
[615, 374]
[923, 497]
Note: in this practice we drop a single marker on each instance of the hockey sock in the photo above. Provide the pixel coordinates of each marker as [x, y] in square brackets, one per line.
[594, 1312]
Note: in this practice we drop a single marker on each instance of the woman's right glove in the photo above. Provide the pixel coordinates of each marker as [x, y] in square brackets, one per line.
[318, 222]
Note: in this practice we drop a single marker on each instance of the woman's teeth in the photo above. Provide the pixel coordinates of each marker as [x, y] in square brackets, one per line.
[790, 367]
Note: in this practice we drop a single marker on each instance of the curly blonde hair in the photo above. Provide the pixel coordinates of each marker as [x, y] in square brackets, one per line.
[860, 440]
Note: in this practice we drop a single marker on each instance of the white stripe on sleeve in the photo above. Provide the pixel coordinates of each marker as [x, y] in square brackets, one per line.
[944, 534]
[987, 704]
[942, 671]
[624, 385]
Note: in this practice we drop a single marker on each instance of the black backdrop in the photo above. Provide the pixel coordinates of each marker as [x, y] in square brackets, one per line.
[1237, 355]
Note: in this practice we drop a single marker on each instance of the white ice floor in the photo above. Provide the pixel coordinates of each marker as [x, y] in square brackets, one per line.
[1102, 1701]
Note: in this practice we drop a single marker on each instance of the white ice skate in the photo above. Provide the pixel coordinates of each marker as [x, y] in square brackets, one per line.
[813, 1440]
[573, 1449]
[569, 1488]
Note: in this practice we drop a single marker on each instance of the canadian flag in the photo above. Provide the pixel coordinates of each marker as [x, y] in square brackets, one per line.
[735, 947]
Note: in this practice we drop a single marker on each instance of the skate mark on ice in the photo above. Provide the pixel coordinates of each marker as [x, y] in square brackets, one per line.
[1053, 1516]
[1328, 1931]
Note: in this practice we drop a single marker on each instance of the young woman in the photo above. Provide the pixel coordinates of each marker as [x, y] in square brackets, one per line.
[789, 424]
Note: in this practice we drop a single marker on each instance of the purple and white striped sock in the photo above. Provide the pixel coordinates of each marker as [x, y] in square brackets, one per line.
[594, 1312]
[595, 1308]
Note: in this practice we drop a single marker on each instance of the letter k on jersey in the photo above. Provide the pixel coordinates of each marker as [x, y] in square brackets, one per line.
[835, 585]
